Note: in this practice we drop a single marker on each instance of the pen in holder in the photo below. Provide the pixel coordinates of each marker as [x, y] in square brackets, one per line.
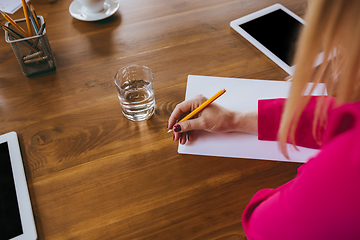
[33, 53]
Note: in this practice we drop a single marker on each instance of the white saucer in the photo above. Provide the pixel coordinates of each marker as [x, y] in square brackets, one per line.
[78, 11]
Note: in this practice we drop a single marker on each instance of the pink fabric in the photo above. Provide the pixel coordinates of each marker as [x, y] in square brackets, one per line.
[270, 115]
[323, 201]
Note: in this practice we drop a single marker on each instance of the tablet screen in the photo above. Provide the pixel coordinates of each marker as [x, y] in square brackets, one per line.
[10, 222]
[277, 31]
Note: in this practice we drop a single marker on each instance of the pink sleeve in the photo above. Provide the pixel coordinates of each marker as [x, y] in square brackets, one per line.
[322, 202]
[269, 116]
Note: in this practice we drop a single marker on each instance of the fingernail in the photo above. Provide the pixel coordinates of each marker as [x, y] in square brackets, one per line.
[177, 128]
[167, 126]
[173, 137]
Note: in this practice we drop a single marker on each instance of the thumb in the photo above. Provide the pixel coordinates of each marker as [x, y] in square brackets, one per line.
[189, 125]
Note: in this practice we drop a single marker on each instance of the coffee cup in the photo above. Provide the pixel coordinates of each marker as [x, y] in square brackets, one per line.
[92, 6]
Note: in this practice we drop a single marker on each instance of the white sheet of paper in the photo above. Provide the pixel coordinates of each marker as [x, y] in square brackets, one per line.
[10, 6]
[241, 94]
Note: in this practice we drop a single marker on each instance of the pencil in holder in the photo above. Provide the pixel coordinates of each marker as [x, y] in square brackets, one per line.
[33, 53]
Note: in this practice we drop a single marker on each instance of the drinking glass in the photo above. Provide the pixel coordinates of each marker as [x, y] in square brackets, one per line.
[135, 87]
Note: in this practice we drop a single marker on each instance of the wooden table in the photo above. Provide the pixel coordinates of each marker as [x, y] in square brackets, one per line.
[93, 174]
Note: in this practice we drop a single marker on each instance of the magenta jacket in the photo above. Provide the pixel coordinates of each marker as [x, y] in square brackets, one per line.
[323, 200]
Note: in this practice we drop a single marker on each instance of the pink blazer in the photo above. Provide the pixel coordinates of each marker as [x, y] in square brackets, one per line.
[323, 200]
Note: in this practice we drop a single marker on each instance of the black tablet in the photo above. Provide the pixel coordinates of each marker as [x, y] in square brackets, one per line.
[274, 31]
[16, 216]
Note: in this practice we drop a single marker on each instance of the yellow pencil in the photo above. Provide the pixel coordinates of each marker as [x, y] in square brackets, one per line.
[32, 9]
[202, 106]
[26, 13]
[16, 37]
[12, 22]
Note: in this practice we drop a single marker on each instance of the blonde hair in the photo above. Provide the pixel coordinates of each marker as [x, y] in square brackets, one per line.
[332, 27]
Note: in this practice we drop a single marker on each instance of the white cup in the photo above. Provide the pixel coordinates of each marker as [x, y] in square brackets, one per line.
[93, 6]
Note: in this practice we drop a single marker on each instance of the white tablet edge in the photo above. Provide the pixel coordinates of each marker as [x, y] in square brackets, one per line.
[235, 25]
[22, 192]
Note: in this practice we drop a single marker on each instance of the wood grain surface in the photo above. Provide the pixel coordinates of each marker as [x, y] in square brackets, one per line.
[93, 174]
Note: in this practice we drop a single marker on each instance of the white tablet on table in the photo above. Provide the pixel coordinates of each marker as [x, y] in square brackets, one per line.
[274, 31]
[16, 216]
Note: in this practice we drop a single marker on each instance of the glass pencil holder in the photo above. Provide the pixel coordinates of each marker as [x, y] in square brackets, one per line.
[33, 53]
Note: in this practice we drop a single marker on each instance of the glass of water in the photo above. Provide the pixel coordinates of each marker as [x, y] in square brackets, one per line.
[135, 87]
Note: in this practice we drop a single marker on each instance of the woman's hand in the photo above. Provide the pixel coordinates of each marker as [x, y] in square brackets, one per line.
[214, 118]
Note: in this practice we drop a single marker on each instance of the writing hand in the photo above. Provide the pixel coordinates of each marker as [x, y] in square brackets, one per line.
[214, 118]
